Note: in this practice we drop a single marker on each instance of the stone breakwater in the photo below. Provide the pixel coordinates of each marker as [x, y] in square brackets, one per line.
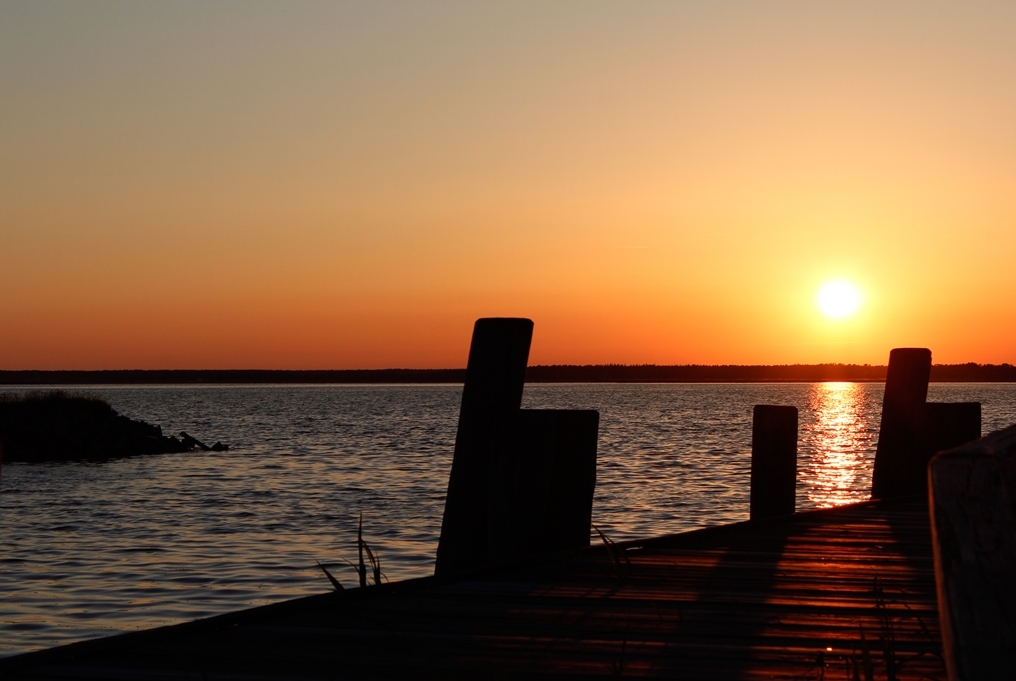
[57, 426]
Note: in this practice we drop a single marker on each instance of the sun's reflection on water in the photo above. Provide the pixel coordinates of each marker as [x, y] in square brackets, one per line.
[838, 446]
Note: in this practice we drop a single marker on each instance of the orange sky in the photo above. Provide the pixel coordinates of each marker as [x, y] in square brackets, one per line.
[249, 185]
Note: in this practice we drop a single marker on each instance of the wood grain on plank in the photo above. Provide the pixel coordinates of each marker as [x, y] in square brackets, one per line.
[975, 556]
[786, 598]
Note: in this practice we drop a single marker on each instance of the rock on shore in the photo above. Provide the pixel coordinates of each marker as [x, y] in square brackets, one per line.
[56, 426]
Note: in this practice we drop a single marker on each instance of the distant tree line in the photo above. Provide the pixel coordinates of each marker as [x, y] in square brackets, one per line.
[564, 373]
[733, 373]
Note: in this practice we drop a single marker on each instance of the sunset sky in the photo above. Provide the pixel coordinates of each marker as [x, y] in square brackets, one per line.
[325, 185]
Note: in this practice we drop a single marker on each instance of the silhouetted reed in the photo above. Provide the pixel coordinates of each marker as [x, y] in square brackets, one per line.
[615, 552]
[361, 567]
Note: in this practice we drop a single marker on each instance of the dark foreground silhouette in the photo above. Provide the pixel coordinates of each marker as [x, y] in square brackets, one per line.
[518, 592]
[56, 426]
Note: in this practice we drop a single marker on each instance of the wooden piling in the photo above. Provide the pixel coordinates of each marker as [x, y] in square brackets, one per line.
[945, 425]
[898, 468]
[773, 461]
[495, 375]
[542, 476]
[972, 490]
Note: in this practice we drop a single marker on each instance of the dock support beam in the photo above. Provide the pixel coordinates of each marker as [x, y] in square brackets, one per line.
[773, 461]
[914, 430]
[495, 375]
[897, 470]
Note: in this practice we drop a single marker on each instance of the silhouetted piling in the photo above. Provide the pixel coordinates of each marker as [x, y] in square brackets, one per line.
[946, 425]
[773, 461]
[495, 375]
[973, 521]
[542, 476]
[898, 467]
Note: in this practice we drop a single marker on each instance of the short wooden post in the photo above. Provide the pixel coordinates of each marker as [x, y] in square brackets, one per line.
[495, 375]
[946, 425]
[542, 477]
[899, 469]
[972, 490]
[773, 461]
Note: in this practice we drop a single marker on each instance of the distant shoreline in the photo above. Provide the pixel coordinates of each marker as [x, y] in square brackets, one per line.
[607, 373]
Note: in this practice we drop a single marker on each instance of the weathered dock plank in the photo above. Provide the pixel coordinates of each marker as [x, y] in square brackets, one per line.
[783, 598]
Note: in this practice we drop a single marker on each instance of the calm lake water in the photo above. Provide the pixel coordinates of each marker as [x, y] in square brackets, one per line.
[94, 548]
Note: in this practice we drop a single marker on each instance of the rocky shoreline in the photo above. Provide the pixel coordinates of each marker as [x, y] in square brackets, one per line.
[57, 426]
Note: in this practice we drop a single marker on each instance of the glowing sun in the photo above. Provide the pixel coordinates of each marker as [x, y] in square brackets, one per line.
[838, 299]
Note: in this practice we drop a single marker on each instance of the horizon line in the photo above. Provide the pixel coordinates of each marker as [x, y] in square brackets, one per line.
[546, 373]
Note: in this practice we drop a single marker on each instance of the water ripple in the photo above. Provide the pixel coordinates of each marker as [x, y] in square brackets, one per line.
[92, 548]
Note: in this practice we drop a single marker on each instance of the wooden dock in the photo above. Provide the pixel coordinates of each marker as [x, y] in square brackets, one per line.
[846, 593]
[809, 596]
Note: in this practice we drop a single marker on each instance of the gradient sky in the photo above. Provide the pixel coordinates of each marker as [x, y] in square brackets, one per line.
[324, 185]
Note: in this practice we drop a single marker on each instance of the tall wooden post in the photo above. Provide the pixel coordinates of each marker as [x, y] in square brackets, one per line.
[898, 466]
[495, 375]
[773, 461]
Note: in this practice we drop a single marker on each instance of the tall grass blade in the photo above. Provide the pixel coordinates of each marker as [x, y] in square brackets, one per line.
[359, 545]
[888, 634]
[375, 564]
[335, 583]
[866, 661]
[613, 551]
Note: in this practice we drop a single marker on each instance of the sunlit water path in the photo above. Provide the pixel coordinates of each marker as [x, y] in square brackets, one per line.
[92, 548]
